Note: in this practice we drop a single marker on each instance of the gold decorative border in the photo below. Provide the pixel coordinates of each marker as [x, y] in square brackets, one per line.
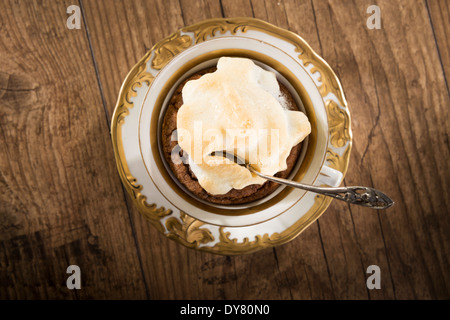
[227, 246]
[186, 229]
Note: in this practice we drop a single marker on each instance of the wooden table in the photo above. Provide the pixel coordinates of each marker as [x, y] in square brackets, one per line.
[62, 202]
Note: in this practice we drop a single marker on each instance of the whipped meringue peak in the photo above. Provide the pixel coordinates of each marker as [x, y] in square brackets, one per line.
[238, 108]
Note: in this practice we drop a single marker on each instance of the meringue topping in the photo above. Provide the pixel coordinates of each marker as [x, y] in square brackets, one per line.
[238, 108]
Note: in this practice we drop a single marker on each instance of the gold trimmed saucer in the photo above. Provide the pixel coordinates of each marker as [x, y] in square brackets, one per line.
[229, 230]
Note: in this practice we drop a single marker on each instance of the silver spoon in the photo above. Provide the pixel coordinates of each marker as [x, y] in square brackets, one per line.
[363, 196]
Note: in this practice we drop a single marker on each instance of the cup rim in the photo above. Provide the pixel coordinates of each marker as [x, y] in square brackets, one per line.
[158, 112]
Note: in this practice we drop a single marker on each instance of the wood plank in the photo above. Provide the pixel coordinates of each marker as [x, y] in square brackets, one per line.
[61, 201]
[196, 11]
[396, 92]
[117, 47]
[439, 11]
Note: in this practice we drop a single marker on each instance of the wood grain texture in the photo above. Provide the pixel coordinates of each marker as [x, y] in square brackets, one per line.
[439, 12]
[62, 201]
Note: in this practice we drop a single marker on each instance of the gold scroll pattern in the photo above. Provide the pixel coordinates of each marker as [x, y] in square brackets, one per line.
[169, 48]
[187, 231]
[338, 124]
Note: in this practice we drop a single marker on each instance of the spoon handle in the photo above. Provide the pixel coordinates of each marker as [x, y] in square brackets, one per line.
[363, 196]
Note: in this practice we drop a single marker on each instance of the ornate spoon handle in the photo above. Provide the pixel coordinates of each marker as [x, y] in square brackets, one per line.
[363, 196]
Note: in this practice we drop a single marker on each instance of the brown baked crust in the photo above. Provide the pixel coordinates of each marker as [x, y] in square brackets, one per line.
[183, 172]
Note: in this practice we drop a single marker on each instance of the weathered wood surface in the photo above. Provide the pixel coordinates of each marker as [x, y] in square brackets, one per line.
[62, 202]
